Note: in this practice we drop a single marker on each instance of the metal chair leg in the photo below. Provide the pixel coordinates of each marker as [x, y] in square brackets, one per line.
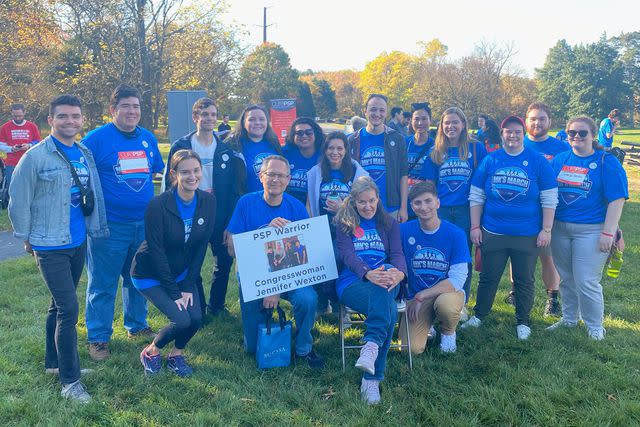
[406, 326]
[341, 326]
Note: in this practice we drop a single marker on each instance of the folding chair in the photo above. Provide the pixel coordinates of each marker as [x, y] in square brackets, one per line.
[344, 310]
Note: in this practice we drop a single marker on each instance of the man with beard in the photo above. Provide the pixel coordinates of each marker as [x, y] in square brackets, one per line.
[538, 122]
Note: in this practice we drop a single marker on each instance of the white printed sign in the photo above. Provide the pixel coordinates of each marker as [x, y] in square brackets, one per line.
[275, 260]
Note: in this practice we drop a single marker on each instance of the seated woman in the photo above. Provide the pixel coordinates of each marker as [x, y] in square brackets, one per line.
[369, 247]
[437, 255]
[178, 226]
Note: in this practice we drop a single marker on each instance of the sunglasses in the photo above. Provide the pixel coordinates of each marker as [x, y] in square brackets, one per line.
[307, 132]
[582, 133]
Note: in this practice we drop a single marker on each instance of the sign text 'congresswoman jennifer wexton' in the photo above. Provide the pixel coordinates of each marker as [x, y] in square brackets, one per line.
[275, 260]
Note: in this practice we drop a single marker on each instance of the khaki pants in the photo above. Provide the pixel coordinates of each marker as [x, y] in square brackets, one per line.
[445, 308]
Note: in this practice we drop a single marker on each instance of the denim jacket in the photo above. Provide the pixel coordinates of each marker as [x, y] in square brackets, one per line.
[40, 197]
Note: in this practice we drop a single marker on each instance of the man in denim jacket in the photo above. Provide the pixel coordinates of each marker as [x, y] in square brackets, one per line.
[46, 212]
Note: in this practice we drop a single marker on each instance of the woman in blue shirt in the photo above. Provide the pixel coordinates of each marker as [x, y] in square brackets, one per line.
[450, 165]
[513, 199]
[592, 188]
[302, 149]
[254, 138]
[370, 249]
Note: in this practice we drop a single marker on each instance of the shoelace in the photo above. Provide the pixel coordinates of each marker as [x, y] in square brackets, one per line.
[369, 351]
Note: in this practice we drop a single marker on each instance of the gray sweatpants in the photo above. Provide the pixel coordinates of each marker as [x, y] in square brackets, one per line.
[579, 263]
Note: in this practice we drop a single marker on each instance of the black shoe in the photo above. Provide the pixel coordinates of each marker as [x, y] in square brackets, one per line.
[313, 359]
[215, 312]
[143, 333]
[552, 308]
[511, 298]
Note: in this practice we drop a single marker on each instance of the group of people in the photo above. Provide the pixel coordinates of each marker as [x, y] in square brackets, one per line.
[404, 213]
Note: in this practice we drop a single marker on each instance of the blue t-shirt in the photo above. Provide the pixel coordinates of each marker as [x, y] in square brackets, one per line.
[562, 135]
[606, 126]
[126, 164]
[300, 165]
[429, 256]
[453, 176]
[586, 185]
[77, 226]
[254, 153]
[334, 189]
[369, 248]
[372, 160]
[253, 212]
[549, 148]
[187, 210]
[512, 185]
[415, 164]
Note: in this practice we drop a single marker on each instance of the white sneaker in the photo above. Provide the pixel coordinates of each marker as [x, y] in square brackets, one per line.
[597, 334]
[75, 391]
[401, 306]
[464, 314]
[370, 391]
[524, 332]
[368, 356]
[561, 324]
[432, 333]
[473, 322]
[448, 343]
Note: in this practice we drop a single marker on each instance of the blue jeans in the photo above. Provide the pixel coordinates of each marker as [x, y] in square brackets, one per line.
[460, 216]
[8, 173]
[379, 306]
[304, 302]
[108, 259]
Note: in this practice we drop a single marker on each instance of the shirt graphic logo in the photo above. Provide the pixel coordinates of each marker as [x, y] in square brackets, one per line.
[370, 248]
[454, 172]
[83, 174]
[298, 181]
[257, 161]
[337, 187]
[429, 266]
[372, 160]
[573, 184]
[133, 169]
[509, 183]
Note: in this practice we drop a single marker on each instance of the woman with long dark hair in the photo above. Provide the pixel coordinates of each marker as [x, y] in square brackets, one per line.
[370, 249]
[178, 226]
[254, 138]
[302, 149]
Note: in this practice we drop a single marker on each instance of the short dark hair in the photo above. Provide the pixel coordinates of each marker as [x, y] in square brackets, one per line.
[395, 110]
[376, 95]
[538, 106]
[121, 92]
[614, 113]
[66, 99]
[421, 188]
[17, 107]
[416, 106]
[201, 104]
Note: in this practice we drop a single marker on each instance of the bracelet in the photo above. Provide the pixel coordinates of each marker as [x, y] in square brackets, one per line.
[607, 234]
[475, 228]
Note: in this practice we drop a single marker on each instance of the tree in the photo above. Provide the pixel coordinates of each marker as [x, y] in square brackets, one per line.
[628, 45]
[324, 97]
[345, 85]
[267, 74]
[304, 101]
[552, 78]
[391, 74]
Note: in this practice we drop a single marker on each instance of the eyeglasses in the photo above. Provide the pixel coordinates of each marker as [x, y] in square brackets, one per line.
[582, 133]
[275, 176]
[304, 132]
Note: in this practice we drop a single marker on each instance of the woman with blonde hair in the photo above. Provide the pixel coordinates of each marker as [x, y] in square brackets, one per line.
[369, 246]
[451, 165]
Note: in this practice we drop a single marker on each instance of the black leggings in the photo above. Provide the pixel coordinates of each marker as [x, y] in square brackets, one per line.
[183, 323]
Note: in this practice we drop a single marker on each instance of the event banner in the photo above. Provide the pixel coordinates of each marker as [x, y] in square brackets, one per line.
[283, 113]
[273, 260]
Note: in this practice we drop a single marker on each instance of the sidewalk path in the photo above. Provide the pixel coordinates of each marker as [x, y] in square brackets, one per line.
[10, 247]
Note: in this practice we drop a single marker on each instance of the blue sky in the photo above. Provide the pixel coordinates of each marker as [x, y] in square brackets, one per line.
[335, 35]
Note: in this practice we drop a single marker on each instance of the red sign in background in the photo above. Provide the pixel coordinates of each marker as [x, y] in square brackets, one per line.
[283, 113]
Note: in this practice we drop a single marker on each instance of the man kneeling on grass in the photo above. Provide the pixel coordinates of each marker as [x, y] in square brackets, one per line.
[437, 255]
[272, 207]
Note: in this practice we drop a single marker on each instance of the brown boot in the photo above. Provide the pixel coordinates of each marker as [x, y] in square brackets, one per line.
[99, 351]
[143, 333]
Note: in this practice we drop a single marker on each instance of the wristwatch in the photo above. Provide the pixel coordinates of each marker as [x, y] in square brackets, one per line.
[547, 230]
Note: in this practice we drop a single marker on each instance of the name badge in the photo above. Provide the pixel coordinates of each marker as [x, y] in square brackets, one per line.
[573, 175]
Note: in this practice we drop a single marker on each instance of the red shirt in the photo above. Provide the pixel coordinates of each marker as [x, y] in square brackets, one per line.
[13, 134]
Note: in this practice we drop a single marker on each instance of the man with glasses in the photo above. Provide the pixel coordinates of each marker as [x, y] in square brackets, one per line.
[272, 207]
[218, 177]
[127, 157]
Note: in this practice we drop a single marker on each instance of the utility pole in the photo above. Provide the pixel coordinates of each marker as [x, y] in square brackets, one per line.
[264, 24]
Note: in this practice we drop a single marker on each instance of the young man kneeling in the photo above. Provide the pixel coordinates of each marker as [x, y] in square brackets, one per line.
[437, 255]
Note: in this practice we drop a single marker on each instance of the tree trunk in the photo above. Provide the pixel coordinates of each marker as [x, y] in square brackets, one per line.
[146, 104]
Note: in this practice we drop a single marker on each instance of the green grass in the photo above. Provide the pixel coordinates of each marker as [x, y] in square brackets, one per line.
[559, 378]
